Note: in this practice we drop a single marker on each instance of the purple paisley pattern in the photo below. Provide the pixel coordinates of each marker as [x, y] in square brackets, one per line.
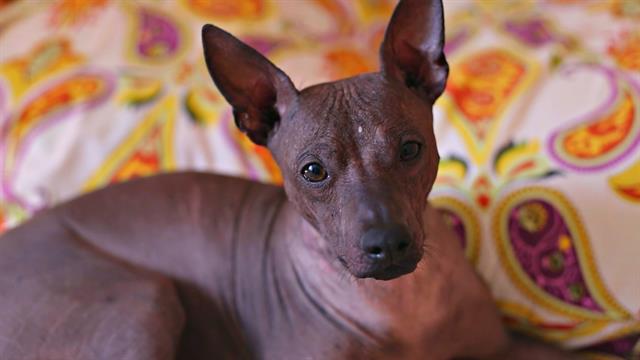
[159, 37]
[622, 347]
[264, 45]
[456, 40]
[533, 32]
[543, 245]
[456, 224]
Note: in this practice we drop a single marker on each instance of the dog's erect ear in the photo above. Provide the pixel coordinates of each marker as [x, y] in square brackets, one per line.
[257, 90]
[412, 50]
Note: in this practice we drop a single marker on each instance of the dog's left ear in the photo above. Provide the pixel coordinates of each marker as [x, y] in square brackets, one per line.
[412, 50]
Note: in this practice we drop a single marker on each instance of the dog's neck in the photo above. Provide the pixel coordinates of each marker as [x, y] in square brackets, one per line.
[371, 313]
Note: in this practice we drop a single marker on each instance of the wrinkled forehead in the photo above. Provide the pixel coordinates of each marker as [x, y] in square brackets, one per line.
[351, 115]
[365, 101]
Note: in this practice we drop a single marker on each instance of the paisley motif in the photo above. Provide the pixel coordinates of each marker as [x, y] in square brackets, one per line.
[146, 151]
[622, 346]
[452, 171]
[534, 32]
[144, 161]
[227, 10]
[370, 10]
[4, 224]
[523, 319]
[340, 13]
[156, 38]
[624, 8]
[603, 137]
[138, 90]
[483, 190]
[457, 39]
[376, 38]
[505, 8]
[264, 44]
[343, 63]
[625, 49]
[461, 219]
[513, 162]
[627, 183]
[74, 12]
[256, 160]
[44, 60]
[204, 105]
[3, 103]
[77, 92]
[546, 251]
[477, 92]
[11, 215]
[480, 87]
[516, 161]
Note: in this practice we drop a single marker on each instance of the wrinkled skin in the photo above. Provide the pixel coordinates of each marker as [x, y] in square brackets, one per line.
[348, 261]
[355, 131]
[356, 147]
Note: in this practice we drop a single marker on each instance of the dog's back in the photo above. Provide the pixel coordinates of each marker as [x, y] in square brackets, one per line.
[87, 281]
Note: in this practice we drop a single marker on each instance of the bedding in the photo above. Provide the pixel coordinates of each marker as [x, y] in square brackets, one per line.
[538, 130]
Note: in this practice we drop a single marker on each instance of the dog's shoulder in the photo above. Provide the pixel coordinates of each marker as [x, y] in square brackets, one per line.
[63, 299]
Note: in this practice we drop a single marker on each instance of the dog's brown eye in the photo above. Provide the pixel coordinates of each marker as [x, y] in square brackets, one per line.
[409, 150]
[314, 172]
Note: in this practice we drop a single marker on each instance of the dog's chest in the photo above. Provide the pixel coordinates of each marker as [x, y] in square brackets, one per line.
[408, 318]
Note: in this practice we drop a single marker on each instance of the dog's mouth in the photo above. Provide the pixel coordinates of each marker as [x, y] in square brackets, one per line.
[382, 272]
[392, 271]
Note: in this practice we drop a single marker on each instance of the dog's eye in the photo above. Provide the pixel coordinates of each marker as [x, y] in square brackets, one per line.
[410, 150]
[313, 172]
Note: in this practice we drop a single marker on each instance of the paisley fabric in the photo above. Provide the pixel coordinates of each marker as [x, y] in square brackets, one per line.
[538, 129]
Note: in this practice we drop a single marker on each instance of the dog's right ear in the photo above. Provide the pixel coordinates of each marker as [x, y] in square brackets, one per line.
[257, 90]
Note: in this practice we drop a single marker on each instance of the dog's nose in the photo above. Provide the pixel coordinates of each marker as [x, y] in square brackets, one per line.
[387, 243]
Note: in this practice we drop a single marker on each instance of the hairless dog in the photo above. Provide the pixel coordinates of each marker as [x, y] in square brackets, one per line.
[347, 261]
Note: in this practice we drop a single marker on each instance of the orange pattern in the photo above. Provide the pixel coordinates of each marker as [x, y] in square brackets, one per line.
[602, 138]
[74, 12]
[626, 50]
[345, 63]
[261, 154]
[483, 84]
[144, 161]
[224, 9]
[78, 89]
[592, 140]
[627, 183]
[146, 151]
[44, 60]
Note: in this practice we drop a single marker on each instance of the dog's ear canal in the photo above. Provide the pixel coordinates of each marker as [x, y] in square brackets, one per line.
[257, 90]
[412, 50]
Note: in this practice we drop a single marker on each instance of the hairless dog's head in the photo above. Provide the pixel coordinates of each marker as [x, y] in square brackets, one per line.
[358, 155]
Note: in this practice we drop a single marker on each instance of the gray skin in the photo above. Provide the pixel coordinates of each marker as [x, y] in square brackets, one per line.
[198, 266]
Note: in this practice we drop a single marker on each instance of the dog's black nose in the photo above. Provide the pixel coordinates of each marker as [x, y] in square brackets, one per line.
[387, 243]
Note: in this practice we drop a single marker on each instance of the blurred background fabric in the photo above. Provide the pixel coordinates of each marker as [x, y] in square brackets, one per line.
[538, 130]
